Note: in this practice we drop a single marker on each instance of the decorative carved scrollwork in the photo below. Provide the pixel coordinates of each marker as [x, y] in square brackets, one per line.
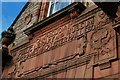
[100, 37]
[101, 41]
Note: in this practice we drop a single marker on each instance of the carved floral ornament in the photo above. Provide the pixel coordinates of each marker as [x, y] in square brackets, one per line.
[98, 41]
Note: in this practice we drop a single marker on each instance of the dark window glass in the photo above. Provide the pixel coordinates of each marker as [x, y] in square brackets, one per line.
[60, 5]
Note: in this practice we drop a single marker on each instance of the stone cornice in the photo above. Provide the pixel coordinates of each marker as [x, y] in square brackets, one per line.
[48, 20]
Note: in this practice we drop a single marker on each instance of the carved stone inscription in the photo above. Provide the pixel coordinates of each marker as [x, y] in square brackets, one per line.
[67, 33]
[93, 37]
[56, 38]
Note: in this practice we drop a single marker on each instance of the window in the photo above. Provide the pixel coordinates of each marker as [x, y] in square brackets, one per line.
[56, 5]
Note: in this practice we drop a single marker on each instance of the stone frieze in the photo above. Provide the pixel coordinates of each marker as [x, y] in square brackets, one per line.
[93, 36]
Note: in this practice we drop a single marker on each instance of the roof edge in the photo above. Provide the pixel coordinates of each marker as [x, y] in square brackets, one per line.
[20, 13]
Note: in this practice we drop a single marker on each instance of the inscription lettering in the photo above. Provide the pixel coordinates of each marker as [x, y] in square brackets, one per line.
[60, 36]
[56, 38]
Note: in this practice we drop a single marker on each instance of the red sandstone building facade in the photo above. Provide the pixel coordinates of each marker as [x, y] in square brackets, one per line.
[82, 40]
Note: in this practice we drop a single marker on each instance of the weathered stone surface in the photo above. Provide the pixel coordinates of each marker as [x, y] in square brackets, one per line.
[22, 24]
[28, 17]
[81, 47]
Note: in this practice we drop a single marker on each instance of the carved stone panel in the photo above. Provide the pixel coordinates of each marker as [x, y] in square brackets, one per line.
[102, 41]
[93, 35]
